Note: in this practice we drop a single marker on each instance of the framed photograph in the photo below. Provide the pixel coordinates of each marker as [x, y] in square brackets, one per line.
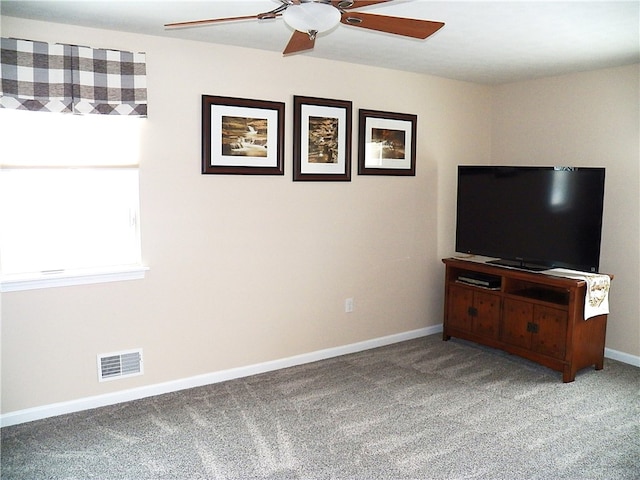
[386, 143]
[242, 137]
[322, 139]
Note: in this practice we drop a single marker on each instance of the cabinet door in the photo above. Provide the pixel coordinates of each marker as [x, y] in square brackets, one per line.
[460, 300]
[516, 318]
[486, 319]
[550, 338]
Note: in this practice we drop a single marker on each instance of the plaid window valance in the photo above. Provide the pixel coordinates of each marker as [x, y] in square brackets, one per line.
[72, 79]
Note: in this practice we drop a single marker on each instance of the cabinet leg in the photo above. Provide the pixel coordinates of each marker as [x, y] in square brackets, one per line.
[568, 375]
[445, 337]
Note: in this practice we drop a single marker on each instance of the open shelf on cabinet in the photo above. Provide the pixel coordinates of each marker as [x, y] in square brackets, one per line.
[538, 291]
[477, 279]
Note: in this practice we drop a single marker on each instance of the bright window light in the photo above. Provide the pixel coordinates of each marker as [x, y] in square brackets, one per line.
[68, 192]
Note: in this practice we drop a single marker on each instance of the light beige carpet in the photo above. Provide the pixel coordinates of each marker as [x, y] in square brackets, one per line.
[422, 409]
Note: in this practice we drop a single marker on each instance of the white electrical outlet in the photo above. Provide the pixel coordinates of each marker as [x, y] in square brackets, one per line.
[348, 305]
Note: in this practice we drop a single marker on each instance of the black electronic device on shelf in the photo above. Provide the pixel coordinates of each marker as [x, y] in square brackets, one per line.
[480, 280]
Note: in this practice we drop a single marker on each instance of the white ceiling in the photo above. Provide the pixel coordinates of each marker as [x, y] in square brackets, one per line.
[484, 42]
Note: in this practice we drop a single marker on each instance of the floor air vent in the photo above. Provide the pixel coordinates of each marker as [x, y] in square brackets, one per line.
[119, 365]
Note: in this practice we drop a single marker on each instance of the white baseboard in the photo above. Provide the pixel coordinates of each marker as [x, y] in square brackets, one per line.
[622, 357]
[52, 410]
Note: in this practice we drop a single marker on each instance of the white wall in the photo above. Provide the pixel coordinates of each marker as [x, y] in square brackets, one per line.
[586, 119]
[247, 269]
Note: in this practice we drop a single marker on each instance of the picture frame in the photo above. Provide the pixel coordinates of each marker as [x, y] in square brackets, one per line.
[386, 143]
[321, 139]
[242, 136]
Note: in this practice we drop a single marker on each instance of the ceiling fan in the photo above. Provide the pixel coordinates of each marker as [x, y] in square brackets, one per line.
[310, 17]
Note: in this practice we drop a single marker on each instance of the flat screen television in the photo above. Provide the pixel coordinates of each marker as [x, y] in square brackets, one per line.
[533, 218]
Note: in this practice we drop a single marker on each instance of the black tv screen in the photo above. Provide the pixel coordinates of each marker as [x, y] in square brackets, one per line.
[531, 217]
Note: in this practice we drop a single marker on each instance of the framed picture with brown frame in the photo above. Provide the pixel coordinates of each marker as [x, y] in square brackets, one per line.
[386, 143]
[242, 137]
[322, 139]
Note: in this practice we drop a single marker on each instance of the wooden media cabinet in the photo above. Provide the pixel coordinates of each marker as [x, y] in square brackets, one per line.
[536, 316]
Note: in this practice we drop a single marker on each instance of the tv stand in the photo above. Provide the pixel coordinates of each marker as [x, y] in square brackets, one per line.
[536, 316]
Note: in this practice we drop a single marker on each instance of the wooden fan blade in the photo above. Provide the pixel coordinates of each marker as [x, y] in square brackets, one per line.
[299, 42]
[201, 23]
[408, 27]
[357, 3]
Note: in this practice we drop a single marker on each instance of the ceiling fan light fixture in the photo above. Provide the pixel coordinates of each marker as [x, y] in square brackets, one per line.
[312, 16]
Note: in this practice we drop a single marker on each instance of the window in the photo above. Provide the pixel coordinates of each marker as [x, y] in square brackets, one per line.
[69, 203]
